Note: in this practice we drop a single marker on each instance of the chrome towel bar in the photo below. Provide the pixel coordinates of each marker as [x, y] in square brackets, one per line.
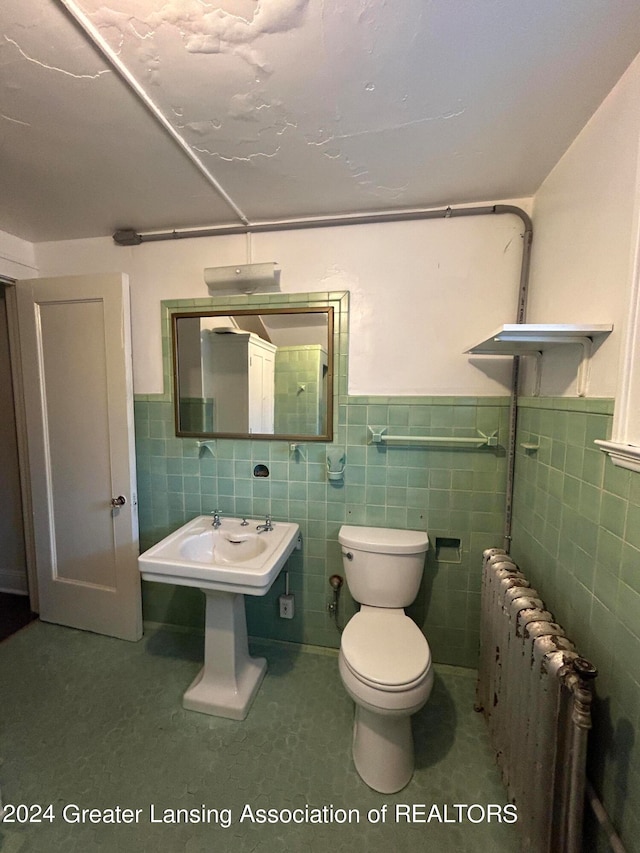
[380, 436]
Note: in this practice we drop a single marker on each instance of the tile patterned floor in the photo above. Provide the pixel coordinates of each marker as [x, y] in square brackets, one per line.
[98, 722]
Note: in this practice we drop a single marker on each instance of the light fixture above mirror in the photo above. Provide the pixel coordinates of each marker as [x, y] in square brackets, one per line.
[243, 278]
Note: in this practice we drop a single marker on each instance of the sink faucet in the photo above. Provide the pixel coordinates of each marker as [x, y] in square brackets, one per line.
[266, 527]
[216, 518]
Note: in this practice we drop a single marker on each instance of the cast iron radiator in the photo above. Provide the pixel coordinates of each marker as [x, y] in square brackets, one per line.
[535, 692]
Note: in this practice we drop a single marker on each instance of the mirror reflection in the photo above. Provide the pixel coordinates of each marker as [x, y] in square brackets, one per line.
[257, 374]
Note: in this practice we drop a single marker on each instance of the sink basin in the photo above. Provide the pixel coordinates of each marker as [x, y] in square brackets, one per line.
[231, 558]
[226, 547]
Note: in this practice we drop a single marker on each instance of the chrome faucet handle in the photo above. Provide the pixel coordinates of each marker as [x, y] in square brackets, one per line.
[244, 522]
[216, 517]
[266, 527]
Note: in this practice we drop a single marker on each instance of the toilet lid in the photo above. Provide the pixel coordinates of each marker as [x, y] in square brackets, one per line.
[383, 540]
[385, 648]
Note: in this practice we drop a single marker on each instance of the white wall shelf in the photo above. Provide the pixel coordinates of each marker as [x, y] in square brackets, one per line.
[535, 338]
[530, 338]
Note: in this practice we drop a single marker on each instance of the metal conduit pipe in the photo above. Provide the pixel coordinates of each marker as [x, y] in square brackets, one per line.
[515, 382]
[129, 237]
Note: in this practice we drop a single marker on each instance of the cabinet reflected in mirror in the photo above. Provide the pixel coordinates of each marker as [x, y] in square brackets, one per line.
[252, 373]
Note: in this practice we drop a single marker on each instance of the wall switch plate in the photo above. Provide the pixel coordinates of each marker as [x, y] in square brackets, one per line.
[286, 606]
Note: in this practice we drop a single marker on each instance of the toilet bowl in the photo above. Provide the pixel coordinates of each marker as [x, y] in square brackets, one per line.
[384, 660]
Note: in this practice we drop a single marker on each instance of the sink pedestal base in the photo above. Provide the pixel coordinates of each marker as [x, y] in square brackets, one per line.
[229, 680]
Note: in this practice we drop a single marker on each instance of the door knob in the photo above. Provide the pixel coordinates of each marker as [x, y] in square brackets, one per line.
[119, 501]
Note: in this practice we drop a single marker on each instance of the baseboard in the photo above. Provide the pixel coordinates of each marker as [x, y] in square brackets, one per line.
[13, 580]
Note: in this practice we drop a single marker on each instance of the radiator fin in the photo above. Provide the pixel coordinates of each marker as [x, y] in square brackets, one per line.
[535, 692]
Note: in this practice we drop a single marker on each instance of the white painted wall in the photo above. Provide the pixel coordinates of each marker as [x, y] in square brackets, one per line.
[421, 293]
[17, 257]
[584, 237]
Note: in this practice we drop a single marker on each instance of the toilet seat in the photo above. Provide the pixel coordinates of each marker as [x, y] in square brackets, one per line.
[385, 649]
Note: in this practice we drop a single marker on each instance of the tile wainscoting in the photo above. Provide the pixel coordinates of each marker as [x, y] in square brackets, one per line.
[576, 535]
[451, 493]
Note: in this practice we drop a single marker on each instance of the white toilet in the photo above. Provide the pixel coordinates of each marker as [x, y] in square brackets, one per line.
[385, 660]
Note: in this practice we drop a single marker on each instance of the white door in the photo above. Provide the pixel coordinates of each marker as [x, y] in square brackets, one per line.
[76, 362]
[261, 386]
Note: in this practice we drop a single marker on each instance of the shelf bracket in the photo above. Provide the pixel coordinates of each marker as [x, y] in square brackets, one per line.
[584, 370]
[537, 374]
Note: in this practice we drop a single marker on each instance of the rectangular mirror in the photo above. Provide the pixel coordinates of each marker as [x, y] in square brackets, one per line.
[254, 373]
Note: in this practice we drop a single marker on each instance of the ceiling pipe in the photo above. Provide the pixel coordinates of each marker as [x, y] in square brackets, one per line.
[130, 237]
[118, 65]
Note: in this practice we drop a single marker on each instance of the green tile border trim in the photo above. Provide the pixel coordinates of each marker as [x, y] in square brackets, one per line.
[591, 405]
[380, 400]
[426, 400]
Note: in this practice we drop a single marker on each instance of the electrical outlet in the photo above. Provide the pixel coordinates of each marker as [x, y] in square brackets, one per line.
[286, 606]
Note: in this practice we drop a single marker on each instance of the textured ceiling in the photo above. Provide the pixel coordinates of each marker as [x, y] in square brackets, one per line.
[161, 115]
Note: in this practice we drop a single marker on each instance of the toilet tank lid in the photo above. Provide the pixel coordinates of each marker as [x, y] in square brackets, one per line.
[382, 540]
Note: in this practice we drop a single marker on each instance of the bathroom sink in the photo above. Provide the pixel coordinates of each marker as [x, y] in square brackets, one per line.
[234, 557]
[225, 562]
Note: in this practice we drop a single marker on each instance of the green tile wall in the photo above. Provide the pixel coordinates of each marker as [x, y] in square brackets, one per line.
[576, 535]
[448, 492]
[299, 391]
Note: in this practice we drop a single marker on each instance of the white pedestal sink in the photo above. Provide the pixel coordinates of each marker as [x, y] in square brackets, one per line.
[226, 563]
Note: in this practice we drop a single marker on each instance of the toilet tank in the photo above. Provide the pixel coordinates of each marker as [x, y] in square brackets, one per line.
[383, 567]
